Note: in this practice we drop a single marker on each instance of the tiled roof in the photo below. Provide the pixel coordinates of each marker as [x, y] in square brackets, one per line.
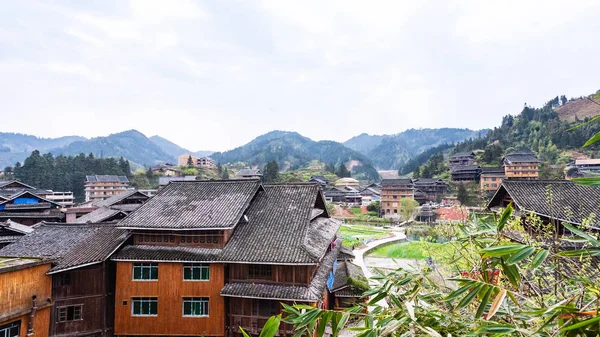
[492, 170]
[195, 205]
[463, 154]
[522, 156]
[168, 254]
[70, 246]
[559, 199]
[347, 277]
[248, 172]
[395, 182]
[465, 168]
[279, 229]
[9, 182]
[100, 215]
[106, 179]
[312, 293]
[119, 197]
[16, 227]
[32, 195]
[345, 254]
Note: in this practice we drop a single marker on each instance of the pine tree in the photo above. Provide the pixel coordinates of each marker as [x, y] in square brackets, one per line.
[417, 173]
[271, 172]
[343, 172]
[225, 174]
[462, 195]
[190, 161]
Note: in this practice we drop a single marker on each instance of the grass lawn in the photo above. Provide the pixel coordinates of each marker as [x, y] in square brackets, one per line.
[417, 250]
[354, 232]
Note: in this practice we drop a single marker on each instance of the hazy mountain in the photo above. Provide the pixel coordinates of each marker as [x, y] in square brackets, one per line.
[15, 147]
[292, 151]
[393, 151]
[132, 145]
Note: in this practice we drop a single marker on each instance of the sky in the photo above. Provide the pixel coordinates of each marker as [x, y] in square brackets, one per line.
[214, 75]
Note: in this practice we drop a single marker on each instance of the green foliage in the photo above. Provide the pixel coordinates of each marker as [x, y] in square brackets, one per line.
[375, 206]
[66, 173]
[190, 161]
[343, 172]
[407, 208]
[414, 163]
[271, 172]
[189, 171]
[462, 194]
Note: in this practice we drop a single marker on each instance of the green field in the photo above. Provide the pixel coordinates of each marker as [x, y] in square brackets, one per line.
[417, 250]
[354, 232]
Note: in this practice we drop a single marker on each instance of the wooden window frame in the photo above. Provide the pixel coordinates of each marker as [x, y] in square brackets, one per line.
[64, 312]
[143, 266]
[12, 325]
[259, 271]
[203, 301]
[140, 300]
[200, 267]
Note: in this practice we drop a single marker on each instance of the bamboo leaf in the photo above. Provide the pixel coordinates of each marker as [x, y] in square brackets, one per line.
[502, 250]
[581, 324]
[271, 328]
[325, 318]
[581, 233]
[497, 329]
[484, 302]
[538, 259]
[504, 217]
[592, 140]
[580, 252]
[244, 333]
[496, 304]
[521, 255]
[512, 272]
[456, 293]
[470, 296]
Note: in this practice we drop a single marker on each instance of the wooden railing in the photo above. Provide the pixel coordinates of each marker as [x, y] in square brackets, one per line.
[254, 324]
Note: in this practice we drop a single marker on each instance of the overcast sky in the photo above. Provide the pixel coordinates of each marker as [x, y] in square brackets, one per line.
[213, 75]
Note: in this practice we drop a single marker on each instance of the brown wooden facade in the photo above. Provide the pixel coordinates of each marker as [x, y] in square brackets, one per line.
[84, 301]
[252, 314]
[169, 290]
[392, 194]
[269, 274]
[25, 299]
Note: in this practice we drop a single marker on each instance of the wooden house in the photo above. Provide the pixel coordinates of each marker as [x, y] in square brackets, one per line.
[432, 187]
[491, 178]
[348, 286]
[249, 174]
[465, 173]
[554, 201]
[11, 231]
[25, 297]
[28, 209]
[112, 209]
[521, 164]
[210, 256]
[462, 159]
[80, 276]
[392, 191]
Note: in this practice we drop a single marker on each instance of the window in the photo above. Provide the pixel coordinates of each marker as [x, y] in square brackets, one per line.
[196, 272]
[145, 271]
[259, 271]
[195, 306]
[70, 313]
[10, 329]
[144, 306]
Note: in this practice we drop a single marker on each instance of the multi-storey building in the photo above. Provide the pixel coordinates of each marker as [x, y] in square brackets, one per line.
[25, 297]
[28, 209]
[210, 256]
[522, 164]
[491, 178]
[465, 173]
[65, 199]
[187, 159]
[392, 190]
[103, 187]
[462, 159]
[78, 278]
[432, 187]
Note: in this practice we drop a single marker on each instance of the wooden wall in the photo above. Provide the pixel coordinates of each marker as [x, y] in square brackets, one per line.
[170, 290]
[288, 275]
[86, 287]
[17, 288]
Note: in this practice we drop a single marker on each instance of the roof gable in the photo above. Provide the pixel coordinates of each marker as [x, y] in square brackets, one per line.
[127, 194]
[14, 184]
[27, 199]
[195, 205]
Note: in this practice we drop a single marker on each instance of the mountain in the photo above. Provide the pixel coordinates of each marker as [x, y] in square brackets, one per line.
[132, 145]
[15, 147]
[579, 109]
[292, 151]
[393, 151]
[175, 150]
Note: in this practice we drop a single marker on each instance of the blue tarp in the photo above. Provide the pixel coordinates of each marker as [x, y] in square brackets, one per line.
[25, 201]
[330, 280]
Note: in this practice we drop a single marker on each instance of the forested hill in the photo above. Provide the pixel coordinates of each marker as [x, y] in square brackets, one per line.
[546, 130]
[394, 151]
[293, 151]
[15, 147]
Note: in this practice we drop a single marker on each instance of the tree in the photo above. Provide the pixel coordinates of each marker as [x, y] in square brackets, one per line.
[271, 172]
[190, 161]
[125, 167]
[149, 173]
[407, 208]
[417, 173]
[343, 172]
[374, 207]
[225, 174]
[462, 194]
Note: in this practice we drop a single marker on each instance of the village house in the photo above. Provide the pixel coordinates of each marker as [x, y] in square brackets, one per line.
[25, 297]
[553, 201]
[167, 169]
[522, 164]
[432, 187]
[491, 178]
[321, 180]
[28, 209]
[11, 231]
[100, 187]
[349, 285]
[347, 182]
[343, 194]
[462, 159]
[465, 173]
[249, 174]
[79, 278]
[392, 191]
[230, 251]
[186, 159]
[112, 209]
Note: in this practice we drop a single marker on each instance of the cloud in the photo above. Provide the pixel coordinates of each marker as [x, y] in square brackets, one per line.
[214, 75]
